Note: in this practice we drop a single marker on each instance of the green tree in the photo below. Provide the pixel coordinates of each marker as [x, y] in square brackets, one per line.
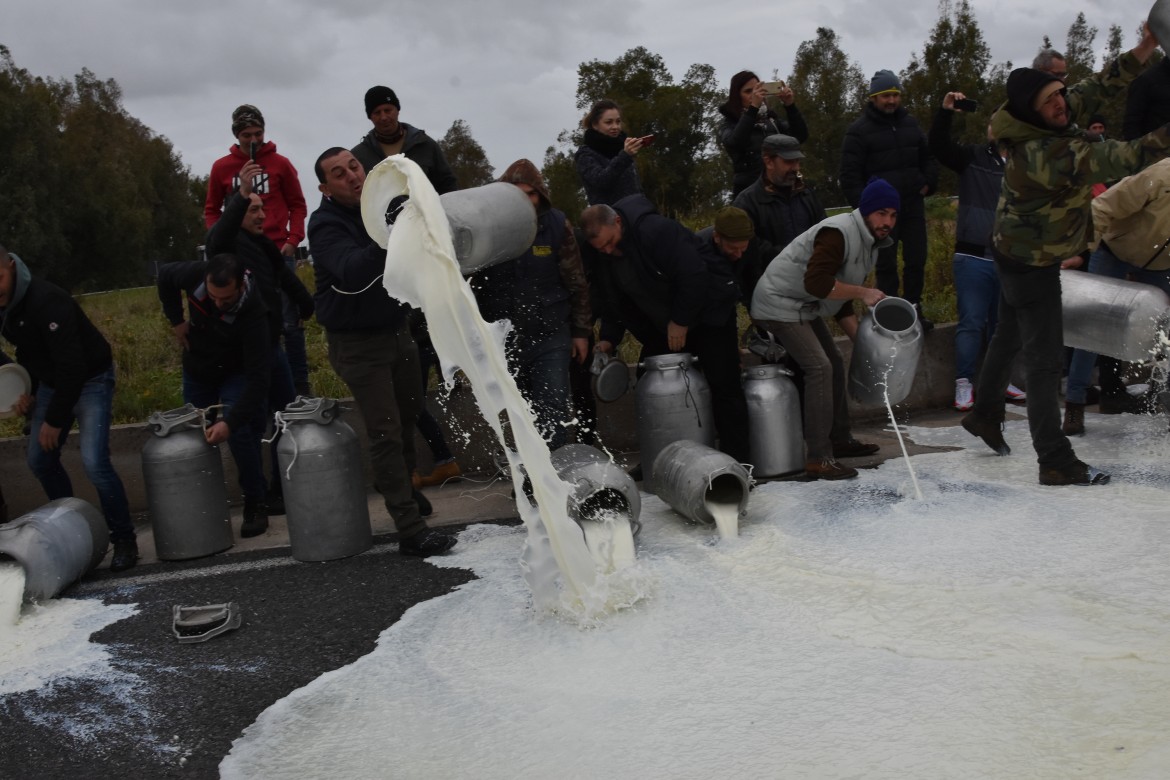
[1078, 50]
[564, 185]
[675, 171]
[955, 58]
[830, 89]
[466, 157]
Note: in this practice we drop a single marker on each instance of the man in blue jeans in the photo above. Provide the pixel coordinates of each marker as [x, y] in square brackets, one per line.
[227, 356]
[73, 368]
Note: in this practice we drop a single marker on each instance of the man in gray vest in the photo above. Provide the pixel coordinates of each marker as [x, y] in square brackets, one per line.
[819, 274]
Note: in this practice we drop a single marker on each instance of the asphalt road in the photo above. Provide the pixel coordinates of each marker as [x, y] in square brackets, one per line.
[173, 709]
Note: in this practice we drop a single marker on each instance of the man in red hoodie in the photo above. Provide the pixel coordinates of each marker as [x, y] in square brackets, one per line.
[284, 208]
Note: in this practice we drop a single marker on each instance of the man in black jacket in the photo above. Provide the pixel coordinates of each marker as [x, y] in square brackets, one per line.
[885, 141]
[71, 363]
[370, 346]
[652, 280]
[241, 232]
[781, 207]
[390, 137]
[227, 356]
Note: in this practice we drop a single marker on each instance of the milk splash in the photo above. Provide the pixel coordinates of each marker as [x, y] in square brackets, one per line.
[421, 269]
[726, 518]
[610, 540]
[11, 592]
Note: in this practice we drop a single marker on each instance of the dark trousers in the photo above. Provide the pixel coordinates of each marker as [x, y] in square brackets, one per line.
[1029, 320]
[717, 350]
[584, 404]
[428, 426]
[381, 370]
[910, 231]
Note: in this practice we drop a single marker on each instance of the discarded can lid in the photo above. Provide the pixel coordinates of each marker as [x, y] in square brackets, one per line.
[198, 624]
[611, 377]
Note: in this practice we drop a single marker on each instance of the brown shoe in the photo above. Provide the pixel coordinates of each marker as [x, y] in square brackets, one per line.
[1074, 419]
[444, 472]
[827, 468]
[853, 449]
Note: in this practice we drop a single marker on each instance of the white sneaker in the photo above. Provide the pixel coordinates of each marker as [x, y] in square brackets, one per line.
[964, 395]
[1014, 393]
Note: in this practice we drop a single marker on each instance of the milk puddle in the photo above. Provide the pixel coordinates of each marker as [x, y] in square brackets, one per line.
[995, 628]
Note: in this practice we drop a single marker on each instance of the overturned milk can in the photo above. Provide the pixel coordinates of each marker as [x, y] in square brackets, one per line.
[775, 433]
[673, 402]
[185, 491]
[324, 482]
[1113, 317]
[600, 486]
[56, 545]
[885, 353]
[702, 484]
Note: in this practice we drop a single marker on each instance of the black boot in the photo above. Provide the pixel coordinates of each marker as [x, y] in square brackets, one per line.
[125, 555]
[424, 504]
[255, 518]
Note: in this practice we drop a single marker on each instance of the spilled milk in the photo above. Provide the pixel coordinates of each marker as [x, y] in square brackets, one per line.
[726, 517]
[421, 270]
[11, 592]
[610, 540]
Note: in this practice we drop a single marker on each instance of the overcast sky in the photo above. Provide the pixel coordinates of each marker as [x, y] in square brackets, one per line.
[507, 67]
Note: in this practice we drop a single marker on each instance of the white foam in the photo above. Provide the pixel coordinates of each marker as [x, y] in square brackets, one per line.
[51, 641]
[995, 628]
[11, 592]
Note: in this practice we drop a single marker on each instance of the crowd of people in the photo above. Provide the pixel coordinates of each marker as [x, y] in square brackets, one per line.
[1025, 211]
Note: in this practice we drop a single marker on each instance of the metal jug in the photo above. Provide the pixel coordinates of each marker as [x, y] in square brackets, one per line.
[1114, 317]
[885, 353]
[324, 482]
[775, 435]
[672, 402]
[696, 481]
[185, 491]
[55, 545]
[599, 484]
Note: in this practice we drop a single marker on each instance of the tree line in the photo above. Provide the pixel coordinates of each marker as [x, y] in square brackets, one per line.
[97, 197]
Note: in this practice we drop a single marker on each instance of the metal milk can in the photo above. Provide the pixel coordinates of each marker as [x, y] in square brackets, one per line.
[672, 401]
[776, 436]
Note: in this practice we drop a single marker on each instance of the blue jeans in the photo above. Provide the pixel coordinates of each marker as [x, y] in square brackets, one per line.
[977, 290]
[93, 412]
[243, 440]
[542, 375]
[1105, 263]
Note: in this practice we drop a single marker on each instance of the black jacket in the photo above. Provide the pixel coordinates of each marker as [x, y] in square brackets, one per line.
[660, 277]
[980, 170]
[221, 344]
[262, 257]
[57, 345]
[607, 172]
[729, 278]
[418, 147]
[778, 216]
[891, 147]
[346, 258]
[743, 137]
[1147, 101]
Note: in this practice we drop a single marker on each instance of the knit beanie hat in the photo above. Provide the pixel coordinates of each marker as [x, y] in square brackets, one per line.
[878, 194]
[376, 96]
[246, 116]
[1024, 85]
[734, 224]
[884, 81]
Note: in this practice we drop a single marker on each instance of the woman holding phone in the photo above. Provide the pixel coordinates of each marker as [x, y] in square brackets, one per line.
[748, 120]
[605, 160]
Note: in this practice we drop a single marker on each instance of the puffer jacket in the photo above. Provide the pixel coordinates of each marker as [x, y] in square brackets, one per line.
[891, 146]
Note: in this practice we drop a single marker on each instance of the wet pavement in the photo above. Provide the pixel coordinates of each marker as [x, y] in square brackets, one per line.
[173, 710]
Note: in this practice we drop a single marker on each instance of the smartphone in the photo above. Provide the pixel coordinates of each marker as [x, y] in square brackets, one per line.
[966, 104]
[252, 151]
[773, 87]
[647, 140]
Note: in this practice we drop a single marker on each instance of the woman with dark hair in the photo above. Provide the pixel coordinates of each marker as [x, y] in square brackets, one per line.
[747, 121]
[605, 160]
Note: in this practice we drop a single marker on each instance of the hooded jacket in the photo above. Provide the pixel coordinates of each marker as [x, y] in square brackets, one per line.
[1042, 216]
[418, 147]
[263, 258]
[279, 187]
[55, 342]
[607, 172]
[221, 343]
[660, 276]
[543, 290]
[889, 146]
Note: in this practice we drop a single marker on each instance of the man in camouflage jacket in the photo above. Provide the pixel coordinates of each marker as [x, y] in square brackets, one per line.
[1043, 217]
